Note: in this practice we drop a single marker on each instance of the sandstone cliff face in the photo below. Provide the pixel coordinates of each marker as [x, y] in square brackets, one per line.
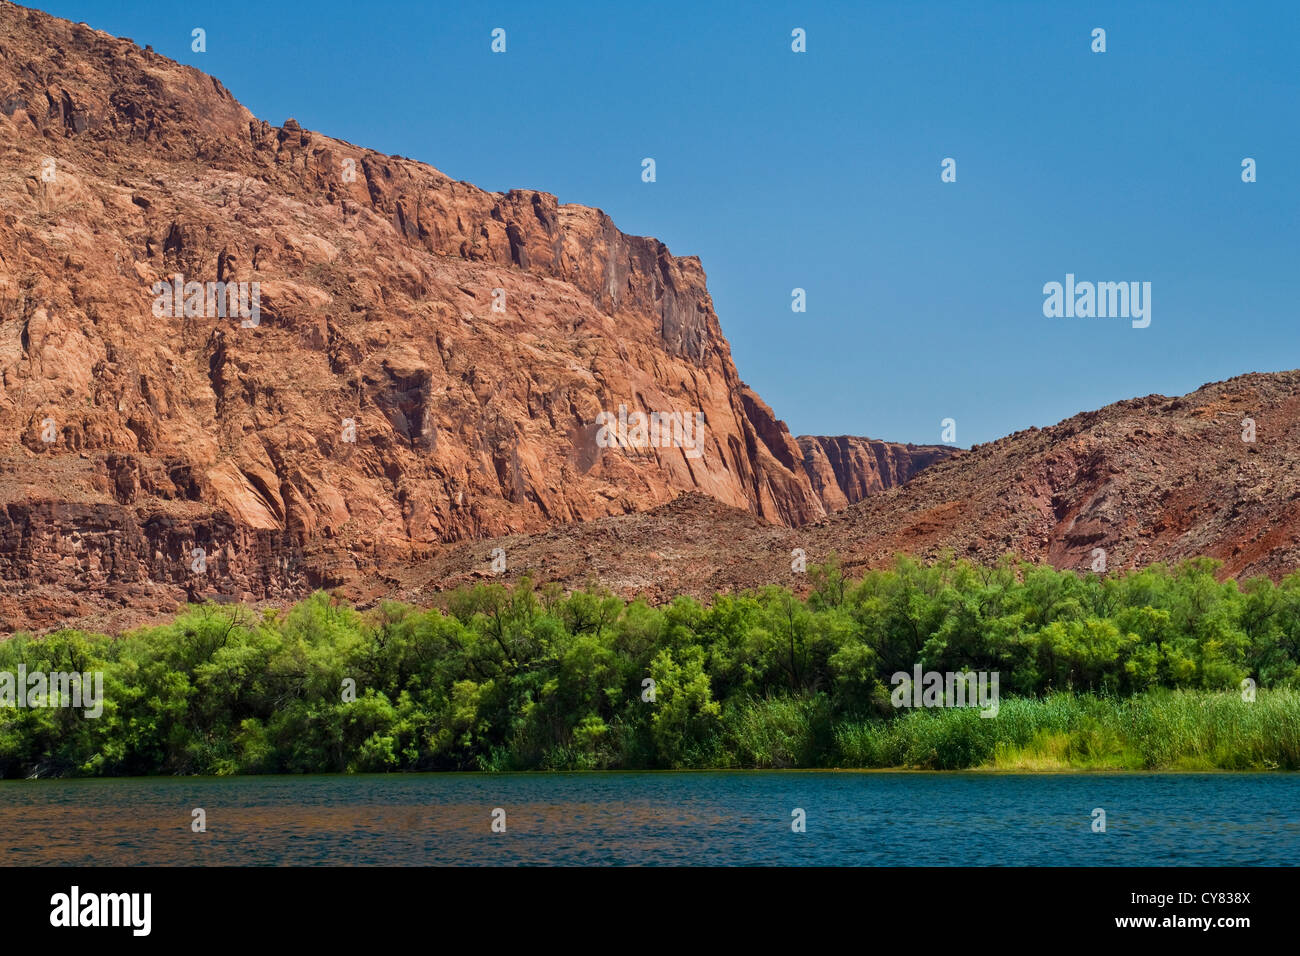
[846, 469]
[428, 362]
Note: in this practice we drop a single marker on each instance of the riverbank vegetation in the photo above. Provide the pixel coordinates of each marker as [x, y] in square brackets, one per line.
[1140, 670]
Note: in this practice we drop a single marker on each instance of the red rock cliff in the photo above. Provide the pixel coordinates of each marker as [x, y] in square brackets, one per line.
[844, 470]
[132, 439]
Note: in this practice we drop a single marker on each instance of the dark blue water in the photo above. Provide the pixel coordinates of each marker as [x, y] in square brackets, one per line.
[742, 818]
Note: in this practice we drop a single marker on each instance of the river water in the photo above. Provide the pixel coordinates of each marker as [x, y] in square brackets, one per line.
[736, 818]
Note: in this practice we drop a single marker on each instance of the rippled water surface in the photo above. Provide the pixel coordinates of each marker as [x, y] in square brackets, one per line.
[742, 818]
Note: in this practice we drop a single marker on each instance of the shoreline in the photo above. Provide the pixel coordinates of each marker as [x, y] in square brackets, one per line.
[496, 774]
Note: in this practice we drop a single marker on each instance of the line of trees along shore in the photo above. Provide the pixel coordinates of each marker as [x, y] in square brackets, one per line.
[1133, 670]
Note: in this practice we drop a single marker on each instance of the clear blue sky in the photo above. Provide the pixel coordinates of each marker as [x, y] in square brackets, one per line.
[822, 170]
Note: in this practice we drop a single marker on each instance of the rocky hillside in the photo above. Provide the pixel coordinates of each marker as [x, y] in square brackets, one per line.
[417, 361]
[1145, 480]
[1148, 479]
